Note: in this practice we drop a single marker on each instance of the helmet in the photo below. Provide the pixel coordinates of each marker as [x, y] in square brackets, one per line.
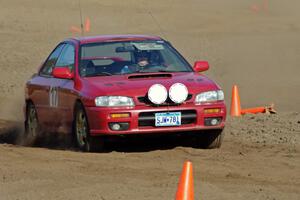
[139, 55]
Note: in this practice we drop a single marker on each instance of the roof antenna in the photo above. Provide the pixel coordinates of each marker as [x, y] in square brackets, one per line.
[157, 24]
[81, 21]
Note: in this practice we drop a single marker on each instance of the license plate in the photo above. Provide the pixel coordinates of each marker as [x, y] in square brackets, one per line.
[168, 119]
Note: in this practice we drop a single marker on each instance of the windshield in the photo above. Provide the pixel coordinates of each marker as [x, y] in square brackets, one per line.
[117, 58]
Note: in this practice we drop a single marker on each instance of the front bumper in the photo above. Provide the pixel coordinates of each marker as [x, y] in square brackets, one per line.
[99, 119]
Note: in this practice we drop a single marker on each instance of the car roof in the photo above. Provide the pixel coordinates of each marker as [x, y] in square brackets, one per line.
[113, 38]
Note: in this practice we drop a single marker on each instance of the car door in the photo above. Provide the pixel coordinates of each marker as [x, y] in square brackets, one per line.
[64, 88]
[40, 85]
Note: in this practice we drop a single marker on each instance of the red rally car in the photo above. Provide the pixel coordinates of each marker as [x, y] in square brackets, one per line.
[119, 85]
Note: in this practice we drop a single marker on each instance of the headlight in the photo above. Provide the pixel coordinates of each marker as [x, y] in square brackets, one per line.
[216, 95]
[114, 101]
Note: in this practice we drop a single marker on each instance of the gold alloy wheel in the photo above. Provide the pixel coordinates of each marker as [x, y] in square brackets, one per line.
[81, 128]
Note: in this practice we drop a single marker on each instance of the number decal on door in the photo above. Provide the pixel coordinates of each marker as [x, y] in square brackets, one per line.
[53, 97]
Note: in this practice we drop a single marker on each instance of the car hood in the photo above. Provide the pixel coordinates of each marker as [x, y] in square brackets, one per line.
[139, 84]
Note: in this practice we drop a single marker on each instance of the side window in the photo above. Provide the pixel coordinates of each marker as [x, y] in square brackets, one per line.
[50, 63]
[67, 57]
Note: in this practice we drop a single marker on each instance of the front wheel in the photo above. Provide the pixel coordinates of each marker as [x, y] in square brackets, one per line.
[82, 133]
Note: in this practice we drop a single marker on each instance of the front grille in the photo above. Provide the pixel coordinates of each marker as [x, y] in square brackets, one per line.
[169, 102]
[148, 118]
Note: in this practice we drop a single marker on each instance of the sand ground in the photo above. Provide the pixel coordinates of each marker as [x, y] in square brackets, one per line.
[259, 160]
[246, 43]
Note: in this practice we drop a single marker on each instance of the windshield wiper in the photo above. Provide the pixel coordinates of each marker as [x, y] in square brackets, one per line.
[142, 71]
[99, 74]
[164, 70]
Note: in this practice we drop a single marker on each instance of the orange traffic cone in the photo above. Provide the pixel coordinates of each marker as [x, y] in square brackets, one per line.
[267, 109]
[185, 189]
[235, 102]
[266, 5]
[253, 110]
[87, 25]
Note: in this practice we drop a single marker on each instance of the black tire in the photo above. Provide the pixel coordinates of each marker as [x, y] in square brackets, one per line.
[210, 139]
[84, 141]
[32, 127]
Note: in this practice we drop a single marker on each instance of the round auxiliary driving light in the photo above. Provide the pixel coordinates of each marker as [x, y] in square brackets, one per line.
[116, 127]
[214, 122]
[178, 93]
[157, 94]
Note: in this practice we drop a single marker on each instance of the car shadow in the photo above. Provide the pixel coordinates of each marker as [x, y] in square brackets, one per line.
[12, 132]
[143, 143]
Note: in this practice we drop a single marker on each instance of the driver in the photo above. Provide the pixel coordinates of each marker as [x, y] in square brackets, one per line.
[142, 59]
[142, 62]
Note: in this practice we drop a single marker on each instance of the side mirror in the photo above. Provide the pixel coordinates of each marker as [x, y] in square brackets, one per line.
[201, 66]
[62, 72]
